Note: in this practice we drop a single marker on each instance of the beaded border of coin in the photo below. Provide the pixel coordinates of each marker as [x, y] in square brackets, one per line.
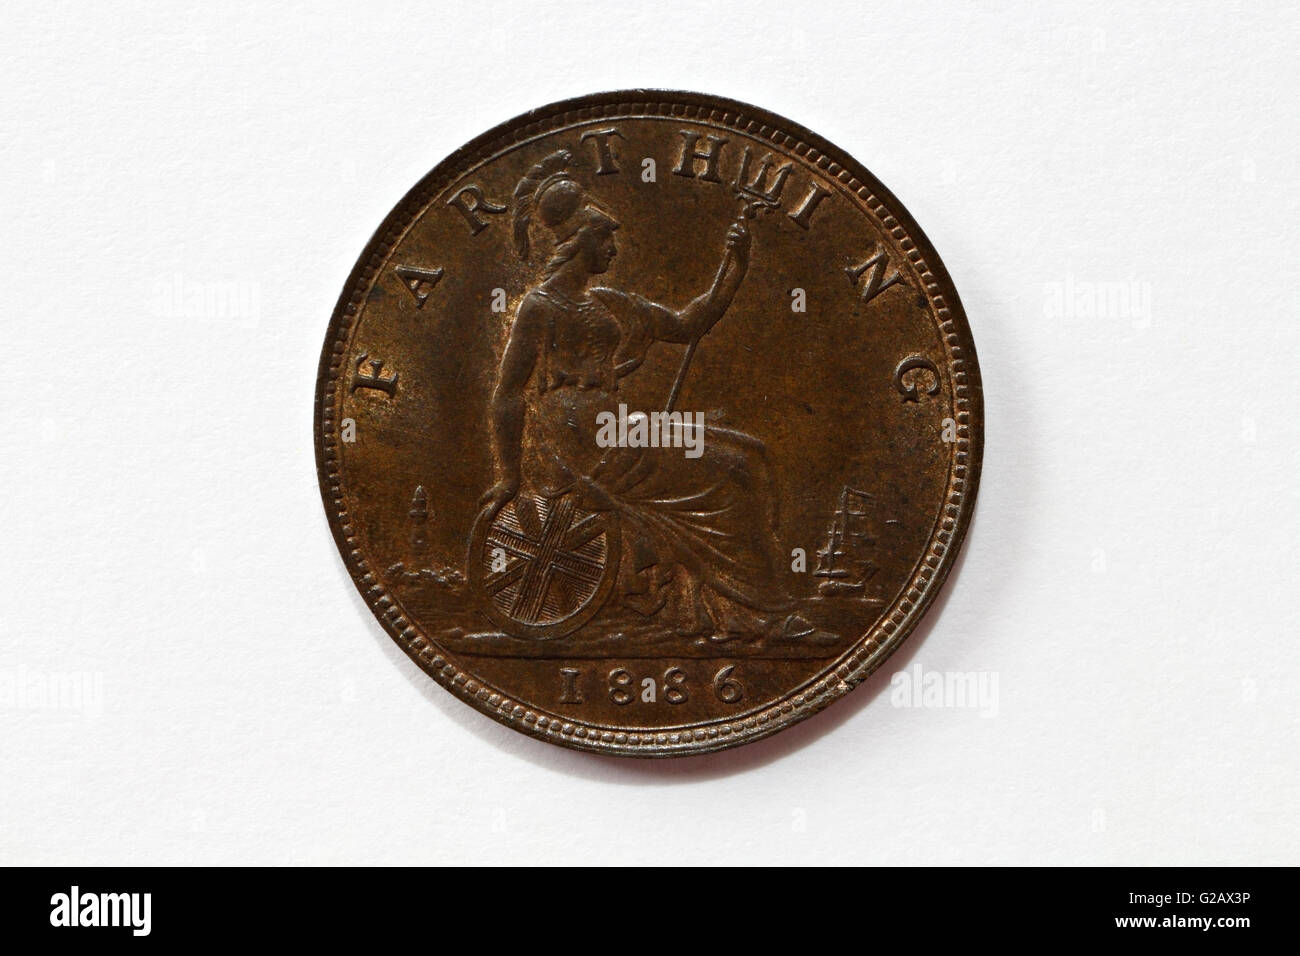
[906, 610]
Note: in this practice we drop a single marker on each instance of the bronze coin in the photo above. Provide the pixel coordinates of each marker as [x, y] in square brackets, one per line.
[649, 423]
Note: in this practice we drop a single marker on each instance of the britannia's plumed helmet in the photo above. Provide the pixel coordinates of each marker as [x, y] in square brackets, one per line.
[551, 194]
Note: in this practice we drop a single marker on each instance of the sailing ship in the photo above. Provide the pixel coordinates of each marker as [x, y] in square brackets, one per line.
[844, 562]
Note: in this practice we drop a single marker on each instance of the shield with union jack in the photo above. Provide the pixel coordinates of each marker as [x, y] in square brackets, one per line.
[544, 566]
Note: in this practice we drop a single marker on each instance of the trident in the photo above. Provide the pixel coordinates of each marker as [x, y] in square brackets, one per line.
[753, 200]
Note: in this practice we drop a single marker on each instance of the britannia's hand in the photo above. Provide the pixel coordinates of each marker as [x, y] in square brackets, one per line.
[499, 495]
[738, 242]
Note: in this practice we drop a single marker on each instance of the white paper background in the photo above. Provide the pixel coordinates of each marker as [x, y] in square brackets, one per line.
[1129, 577]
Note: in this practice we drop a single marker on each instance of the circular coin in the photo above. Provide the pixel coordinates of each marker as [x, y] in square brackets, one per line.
[649, 423]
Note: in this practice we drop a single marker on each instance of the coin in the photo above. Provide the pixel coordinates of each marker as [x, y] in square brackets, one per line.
[649, 423]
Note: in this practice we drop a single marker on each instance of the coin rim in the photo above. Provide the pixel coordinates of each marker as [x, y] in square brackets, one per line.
[810, 696]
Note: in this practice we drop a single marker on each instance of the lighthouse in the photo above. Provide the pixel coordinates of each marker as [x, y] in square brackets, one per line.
[419, 515]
